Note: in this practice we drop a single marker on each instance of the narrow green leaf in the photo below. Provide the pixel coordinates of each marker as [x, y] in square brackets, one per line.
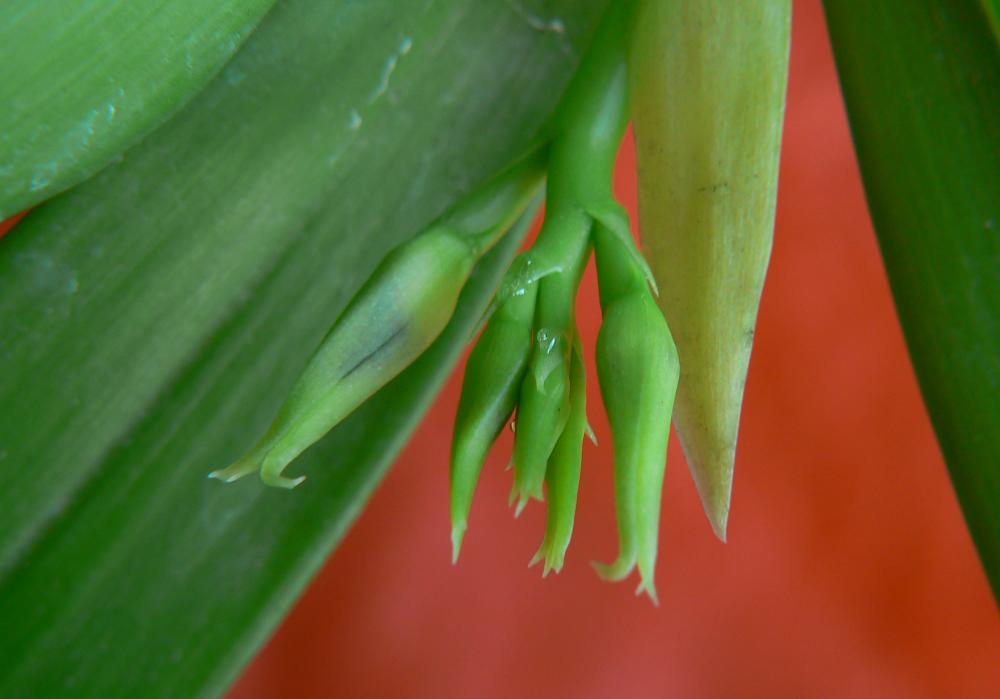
[81, 81]
[922, 84]
[157, 581]
[155, 317]
[992, 10]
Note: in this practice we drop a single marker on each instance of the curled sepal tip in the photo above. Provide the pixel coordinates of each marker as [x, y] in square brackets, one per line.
[622, 566]
[270, 471]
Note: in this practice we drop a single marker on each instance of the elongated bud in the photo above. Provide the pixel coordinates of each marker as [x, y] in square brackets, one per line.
[638, 371]
[542, 413]
[490, 391]
[708, 86]
[396, 315]
[544, 398]
[562, 476]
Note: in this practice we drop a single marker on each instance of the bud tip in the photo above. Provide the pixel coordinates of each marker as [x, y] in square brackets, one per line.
[457, 534]
[613, 572]
[278, 481]
[650, 589]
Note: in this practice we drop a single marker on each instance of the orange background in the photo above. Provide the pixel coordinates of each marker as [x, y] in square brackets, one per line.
[848, 570]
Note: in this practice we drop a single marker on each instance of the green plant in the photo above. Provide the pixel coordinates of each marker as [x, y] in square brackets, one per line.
[156, 313]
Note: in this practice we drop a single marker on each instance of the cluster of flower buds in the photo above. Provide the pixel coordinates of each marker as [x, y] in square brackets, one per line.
[529, 359]
[708, 133]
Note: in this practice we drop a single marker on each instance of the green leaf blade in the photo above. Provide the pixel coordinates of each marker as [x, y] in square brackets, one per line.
[223, 551]
[922, 84]
[83, 81]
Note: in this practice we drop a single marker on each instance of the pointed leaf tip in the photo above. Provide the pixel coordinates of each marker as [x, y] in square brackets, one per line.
[720, 523]
[457, 535]
[714, 484]
[521, 504]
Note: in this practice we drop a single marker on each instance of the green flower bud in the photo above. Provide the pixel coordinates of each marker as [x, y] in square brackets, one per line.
[542, 413]
[490, 391]
[562, 476]
[544, 398]
[638, 370]
[396, 315]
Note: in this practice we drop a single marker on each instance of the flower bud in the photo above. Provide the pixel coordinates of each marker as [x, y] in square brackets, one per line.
[542, 413]
[564, 243]
[638, 370]
[398, 313]
[490, 391]
[562, 477]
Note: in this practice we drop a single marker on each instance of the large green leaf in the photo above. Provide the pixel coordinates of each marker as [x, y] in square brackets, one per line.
[81, 80]
[154, 316]
[922, 83]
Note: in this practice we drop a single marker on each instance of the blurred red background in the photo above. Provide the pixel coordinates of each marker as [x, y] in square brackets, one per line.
[848, 570]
